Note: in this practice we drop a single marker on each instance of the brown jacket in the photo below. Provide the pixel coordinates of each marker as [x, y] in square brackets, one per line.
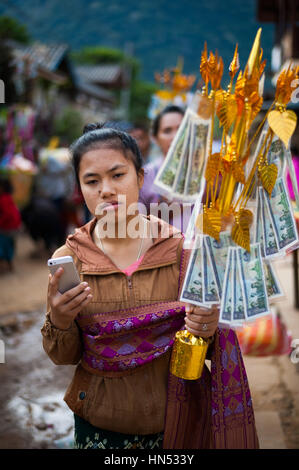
[134, 402]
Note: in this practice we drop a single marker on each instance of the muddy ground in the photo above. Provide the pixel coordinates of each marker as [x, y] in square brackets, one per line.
[33, 414]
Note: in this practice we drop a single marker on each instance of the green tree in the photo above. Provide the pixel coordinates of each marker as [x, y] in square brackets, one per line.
[10, 29]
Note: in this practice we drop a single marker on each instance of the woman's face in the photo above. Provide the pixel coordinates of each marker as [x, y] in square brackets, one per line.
[168, 127]
[104, 175]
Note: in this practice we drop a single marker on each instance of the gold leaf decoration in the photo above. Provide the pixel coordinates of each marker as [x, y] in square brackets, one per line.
[227, 112]
[205, 107]
[213, 167]
[238, 172]
[283, 124]
[268, 175]
[240, 231]
[212, 222]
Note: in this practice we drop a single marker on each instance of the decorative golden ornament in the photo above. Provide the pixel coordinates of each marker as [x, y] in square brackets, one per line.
[188, 355]
[204, 66]
[213, 167]
[238, 172]
[212, 222]
[227, 112]
[205, 107]
[240, 231]
[268, 175]
[234, 65]
[254, 56]
[283, 124]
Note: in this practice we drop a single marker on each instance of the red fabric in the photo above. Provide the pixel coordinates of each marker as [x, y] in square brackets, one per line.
[10, 217]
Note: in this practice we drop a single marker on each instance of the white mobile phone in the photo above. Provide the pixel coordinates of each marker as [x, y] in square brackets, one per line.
[70, 277]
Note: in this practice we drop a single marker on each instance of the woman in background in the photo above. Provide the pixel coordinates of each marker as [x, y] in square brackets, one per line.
[164, 129]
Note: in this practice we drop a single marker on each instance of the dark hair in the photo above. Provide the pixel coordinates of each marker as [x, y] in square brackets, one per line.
[96, 136]
[171, 108]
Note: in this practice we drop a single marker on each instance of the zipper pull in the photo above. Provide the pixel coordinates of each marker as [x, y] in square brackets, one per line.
[129, 282]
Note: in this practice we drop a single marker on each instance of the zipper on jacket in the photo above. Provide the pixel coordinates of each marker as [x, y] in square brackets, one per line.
[130, 286]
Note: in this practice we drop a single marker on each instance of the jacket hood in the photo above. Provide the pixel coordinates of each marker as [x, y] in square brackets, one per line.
[164, 249]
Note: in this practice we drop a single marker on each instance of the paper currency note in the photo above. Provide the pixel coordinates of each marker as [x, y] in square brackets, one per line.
[218, 254]
[192, 230]
[238, 308]
[258, 224]
[197, 156]
[248, 166]
[270, 241]
[192, 290]
[180, 177]
[281, 212]
[210, 291]
[276, 155]
[226, 305]
[253, 282]
[166, 175]
[274, 289]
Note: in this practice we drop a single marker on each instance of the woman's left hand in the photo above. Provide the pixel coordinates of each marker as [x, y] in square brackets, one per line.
[201, 321]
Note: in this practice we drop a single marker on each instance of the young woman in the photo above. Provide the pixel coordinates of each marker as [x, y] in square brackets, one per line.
[119, 324]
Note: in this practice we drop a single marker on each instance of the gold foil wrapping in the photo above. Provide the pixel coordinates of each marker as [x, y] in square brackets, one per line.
[188, 355]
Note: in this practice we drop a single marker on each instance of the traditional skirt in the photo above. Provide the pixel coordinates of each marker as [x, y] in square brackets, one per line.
[88, 436]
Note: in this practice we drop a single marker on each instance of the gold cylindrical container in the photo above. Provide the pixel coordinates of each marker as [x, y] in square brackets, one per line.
[188, 355]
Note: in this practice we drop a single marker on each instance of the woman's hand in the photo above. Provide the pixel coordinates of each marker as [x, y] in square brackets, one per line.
[201, 321]
[65, 307]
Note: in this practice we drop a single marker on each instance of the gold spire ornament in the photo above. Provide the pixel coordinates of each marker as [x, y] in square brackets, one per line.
[226, 170]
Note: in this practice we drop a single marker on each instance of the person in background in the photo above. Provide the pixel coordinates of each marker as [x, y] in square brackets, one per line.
[164, 129]
[148, 148]
[10, 222]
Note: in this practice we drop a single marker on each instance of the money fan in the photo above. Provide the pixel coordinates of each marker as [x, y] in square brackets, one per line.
[242, 217]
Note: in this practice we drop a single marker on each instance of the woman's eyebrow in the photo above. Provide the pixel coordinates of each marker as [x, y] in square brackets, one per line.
[115, 167]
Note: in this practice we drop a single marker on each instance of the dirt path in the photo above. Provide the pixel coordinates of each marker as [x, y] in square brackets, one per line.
[33, 414]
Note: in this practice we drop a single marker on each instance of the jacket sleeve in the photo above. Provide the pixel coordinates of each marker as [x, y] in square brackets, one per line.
[62, 346]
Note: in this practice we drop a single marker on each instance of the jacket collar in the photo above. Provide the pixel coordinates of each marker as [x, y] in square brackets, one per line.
[93, 259]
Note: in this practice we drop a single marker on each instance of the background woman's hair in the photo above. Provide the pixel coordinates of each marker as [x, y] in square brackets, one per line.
[171, 108]
[102, 135]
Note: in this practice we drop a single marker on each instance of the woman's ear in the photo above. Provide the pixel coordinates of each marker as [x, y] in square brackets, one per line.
[140, 178]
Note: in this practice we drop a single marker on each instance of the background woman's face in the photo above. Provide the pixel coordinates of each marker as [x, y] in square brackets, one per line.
[168, 127]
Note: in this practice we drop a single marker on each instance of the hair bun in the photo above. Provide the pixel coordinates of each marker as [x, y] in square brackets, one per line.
[93, 126]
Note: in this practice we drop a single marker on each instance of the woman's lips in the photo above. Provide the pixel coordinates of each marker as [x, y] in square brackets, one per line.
[107, 207]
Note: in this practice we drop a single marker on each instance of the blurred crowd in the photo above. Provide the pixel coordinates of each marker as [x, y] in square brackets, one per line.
[38, 191]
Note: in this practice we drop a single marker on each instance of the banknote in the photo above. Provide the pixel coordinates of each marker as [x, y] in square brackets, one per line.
[210, 291]
[274, 289]
[192, 290]
[250, 162]
[166, 175]
[281, 213]
[197, 156]
[238, 307]
[258, 224]
[226, 304]
[180, 177]
[192, 230]
[253, 282]
[270, 241]
[276, 155]
[218, 254]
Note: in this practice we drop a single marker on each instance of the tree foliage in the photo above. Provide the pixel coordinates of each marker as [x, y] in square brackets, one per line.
[10, 28]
